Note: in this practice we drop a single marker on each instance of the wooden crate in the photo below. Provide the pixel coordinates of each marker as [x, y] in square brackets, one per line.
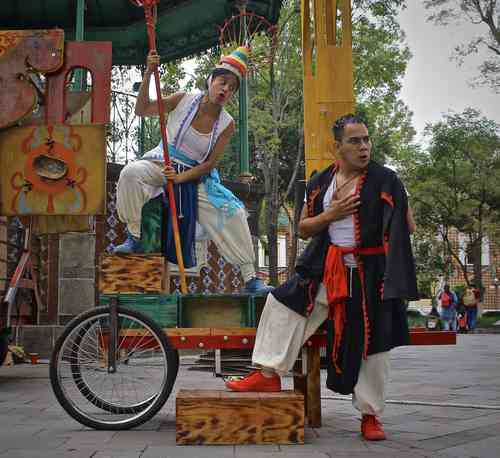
[132, 273]
[225, 417]
[216, 310]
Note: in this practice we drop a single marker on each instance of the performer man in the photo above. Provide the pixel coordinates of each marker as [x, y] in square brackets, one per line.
[356, 271]
[199, 128]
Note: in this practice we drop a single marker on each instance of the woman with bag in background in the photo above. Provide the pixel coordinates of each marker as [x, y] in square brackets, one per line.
[449, 302]
[471, 299]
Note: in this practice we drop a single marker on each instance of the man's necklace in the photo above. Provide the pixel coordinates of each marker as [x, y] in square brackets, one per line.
[344, 184]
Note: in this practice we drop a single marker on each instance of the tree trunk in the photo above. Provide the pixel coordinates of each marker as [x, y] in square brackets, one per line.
[272, 221]
[298, 203]
[476, 252]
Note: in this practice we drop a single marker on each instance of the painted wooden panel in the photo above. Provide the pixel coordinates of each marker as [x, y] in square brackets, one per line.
[53, 170]
[21, 52]
[94, 56]
[131, 273]
[221, 417]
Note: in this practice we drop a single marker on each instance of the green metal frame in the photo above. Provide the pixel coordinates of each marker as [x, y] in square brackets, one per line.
[184, 28]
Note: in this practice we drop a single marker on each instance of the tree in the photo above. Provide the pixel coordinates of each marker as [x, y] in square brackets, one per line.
[484, 13]
[453, 185]
[129, 136]
[380, 60]
[275, 108]
[275, 119]
[431, 260]
[171, 76]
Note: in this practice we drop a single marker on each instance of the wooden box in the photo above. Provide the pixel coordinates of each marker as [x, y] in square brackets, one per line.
[132, 273]
[226, 417]
[216, 310]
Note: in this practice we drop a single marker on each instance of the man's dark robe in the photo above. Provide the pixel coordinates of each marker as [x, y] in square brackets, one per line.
[386, 279]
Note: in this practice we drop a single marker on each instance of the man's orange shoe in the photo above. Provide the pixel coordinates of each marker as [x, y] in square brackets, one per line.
[371, 428]
[255, 381]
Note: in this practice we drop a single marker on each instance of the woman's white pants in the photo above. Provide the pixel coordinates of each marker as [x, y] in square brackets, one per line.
[141, 180]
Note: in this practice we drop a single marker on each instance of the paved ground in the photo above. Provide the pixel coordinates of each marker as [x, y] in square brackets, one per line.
[444, 402]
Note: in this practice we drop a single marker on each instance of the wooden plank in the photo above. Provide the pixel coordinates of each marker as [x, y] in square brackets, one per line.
[211, 342]
[245, 332]
[282, 418]
[416, 338]
[433, 338]
[190, 332]
[222, 417]
[234, 338]
[313, 387]
[52, 296]
[131, 273]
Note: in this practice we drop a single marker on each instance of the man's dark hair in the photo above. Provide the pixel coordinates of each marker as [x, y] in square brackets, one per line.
[340, 123]
[219, 72]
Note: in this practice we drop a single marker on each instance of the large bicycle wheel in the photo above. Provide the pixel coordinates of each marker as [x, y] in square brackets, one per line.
[146, 368]
[86, 390]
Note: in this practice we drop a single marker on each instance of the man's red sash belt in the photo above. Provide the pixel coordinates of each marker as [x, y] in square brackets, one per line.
[335, 282]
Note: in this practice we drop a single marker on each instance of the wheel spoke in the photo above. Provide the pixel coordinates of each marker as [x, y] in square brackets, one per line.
[145, 370]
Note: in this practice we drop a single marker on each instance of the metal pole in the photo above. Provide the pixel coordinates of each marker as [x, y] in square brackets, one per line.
[243, 106]
[80, 75]
[243, 112]
[142, 132]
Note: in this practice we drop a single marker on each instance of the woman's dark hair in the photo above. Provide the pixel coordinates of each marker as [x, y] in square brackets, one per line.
[219, 72]
[340, 123]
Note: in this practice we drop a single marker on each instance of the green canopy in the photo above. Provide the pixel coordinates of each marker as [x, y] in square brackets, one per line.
[184, 28]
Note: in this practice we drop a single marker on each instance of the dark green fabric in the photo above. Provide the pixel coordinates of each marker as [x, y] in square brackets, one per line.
[151, 226]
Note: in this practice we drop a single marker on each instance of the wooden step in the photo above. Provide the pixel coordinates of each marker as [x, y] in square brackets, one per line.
[226, 417]
[133, 273]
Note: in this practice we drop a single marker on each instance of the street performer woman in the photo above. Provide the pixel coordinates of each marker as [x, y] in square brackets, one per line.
[199, 128]
[356, 271]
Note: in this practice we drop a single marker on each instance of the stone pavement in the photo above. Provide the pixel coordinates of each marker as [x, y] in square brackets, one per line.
[444, 402]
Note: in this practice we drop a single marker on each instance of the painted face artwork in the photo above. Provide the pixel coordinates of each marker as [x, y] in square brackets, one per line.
[355, 147]
[222, 88]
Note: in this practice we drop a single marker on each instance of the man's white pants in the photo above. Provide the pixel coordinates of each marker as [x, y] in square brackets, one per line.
[139, 182]
[282, 333]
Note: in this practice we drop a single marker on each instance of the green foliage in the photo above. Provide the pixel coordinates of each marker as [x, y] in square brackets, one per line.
[459, 290]
[454, 183]
[171, 76]
[485, 13]
[429, 261]
[380, 60]
[415, 319]
[488, 319]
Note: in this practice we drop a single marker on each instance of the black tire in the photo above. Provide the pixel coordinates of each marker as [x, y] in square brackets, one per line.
[4, 347]
[91, 396]
[78, 360]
